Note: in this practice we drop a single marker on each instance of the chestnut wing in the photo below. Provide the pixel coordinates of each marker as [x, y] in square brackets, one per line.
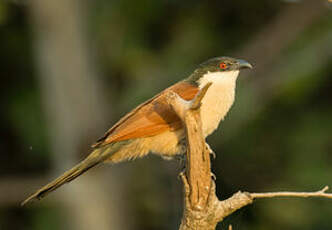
[150, 118]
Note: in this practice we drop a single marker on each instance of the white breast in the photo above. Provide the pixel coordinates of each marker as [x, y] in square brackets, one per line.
[218, 99]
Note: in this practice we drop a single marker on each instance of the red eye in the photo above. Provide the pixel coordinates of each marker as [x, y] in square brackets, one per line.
[222, 65]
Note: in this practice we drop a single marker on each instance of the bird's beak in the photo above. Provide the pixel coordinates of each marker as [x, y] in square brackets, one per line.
[244, 64]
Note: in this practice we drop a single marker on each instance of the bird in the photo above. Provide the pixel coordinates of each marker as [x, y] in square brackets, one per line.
[153, 126]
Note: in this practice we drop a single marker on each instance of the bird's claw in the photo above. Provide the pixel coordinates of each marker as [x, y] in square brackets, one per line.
[182, 162]
[213, 176]
[213, 154]
[181, 174]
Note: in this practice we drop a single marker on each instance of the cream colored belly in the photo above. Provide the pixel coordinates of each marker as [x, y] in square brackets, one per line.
[215, 105]
[166, 144]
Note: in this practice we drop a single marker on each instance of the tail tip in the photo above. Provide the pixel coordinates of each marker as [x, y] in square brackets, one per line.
[24, 202]
[30, 199]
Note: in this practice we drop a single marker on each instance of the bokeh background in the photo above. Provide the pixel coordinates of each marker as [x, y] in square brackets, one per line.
[71, 68]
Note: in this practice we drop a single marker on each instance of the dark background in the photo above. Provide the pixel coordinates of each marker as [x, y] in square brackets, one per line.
[70, 69]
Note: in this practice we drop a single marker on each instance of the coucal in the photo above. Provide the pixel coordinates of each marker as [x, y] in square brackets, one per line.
[153, 127]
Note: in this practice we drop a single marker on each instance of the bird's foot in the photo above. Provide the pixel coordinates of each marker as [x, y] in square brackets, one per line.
[213, 154]
[213, 176]
[182, 174]
[181, 158]
[183, 177]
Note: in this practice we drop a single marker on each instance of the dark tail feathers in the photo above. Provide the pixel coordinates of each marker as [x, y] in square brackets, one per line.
[96, 157]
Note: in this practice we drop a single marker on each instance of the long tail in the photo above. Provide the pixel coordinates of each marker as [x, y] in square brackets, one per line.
[96, 157]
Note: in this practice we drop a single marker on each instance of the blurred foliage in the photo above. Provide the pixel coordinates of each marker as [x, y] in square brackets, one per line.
[141, 47]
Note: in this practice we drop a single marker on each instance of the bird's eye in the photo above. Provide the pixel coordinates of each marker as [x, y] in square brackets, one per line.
[222, 65]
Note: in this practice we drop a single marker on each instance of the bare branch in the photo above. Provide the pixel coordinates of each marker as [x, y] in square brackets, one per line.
[320, 193]
[181, 106]
[235, 202]
[241, 199]
[198, 99]
[198, 169]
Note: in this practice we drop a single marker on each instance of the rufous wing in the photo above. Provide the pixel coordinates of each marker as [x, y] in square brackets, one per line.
[150, 118]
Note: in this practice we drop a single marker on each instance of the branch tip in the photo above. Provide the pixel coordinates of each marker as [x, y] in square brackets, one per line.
[325, 189]
[197, 100]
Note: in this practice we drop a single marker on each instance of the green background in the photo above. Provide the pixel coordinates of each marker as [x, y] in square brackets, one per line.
[278, 135]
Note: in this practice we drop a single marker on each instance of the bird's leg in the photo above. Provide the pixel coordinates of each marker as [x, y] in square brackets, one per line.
[186, 186]
[182, 160]
[181, 156]
[207, 146]
[182, 163]
[213, 154]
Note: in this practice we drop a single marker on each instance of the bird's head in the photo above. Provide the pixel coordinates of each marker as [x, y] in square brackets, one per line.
[218, 69]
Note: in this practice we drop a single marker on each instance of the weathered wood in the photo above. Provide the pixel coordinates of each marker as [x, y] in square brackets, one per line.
[198, 157]
[198, 166]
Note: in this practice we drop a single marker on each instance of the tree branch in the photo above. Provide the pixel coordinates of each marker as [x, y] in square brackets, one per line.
[198, 165]
[320, 193]
[202, 208]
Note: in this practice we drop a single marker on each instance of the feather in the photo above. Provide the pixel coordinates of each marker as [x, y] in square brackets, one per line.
[151, 118]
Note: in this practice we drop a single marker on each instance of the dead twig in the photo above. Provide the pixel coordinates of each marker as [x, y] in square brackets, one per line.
[320, 193]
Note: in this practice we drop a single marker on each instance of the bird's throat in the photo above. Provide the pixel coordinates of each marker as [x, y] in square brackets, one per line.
[218, 99]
